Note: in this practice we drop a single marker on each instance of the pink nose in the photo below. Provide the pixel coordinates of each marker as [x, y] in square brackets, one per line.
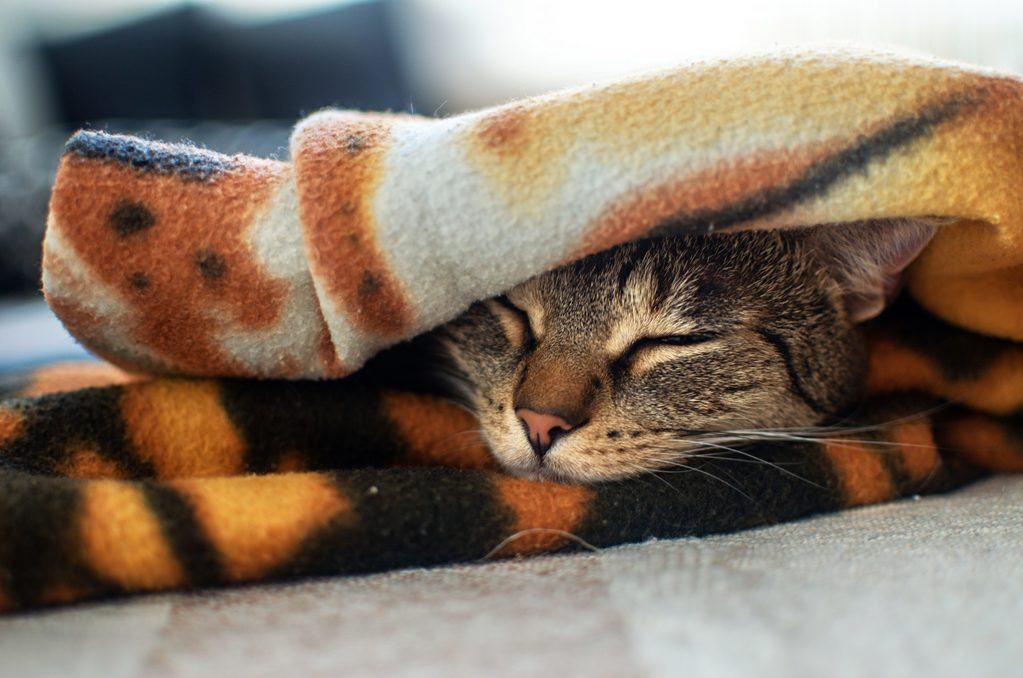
[542, 428]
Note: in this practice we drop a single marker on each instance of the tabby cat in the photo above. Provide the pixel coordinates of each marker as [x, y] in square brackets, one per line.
[626, 361]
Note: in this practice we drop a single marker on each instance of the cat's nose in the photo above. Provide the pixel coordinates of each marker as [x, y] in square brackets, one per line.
[542, 429]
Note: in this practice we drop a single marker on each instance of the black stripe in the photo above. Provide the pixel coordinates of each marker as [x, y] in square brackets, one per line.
[329, 424]
[39, 545]
[823, 175]
[58, 422]
[188, 162]
[959, 354]
[197, 555]
[693, 504]
[624, 273]
[407, 517]
[795, 382]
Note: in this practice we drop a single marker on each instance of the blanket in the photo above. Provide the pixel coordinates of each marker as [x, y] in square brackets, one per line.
[252, 280]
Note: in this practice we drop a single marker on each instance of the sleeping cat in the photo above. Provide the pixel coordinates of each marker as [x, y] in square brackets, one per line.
[625, 361]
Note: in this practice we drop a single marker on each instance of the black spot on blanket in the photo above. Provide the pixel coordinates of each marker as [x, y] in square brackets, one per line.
[369, 286]
[129, 218]
[210, 264]
[139, 281]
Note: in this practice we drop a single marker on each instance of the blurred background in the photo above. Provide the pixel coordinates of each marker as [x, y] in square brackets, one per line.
[233, 75]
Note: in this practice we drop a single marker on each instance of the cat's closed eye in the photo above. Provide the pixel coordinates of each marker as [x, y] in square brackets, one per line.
[688, 339]
[514, 321]
[663, 345]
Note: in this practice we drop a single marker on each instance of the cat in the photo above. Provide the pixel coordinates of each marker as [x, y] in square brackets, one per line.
[630, 360]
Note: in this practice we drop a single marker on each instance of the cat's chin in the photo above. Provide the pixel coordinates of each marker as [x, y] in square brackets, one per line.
[536, 475]
[544, 474]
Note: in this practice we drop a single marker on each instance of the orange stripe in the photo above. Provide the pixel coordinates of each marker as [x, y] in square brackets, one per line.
[181, 428]
[258, 522]
[920, 457]
[897, 367]
[523, 159]
[62, 377]
[436, 432]
[549, 508]
[984, 443]
[339, 162]
[861, 472]
[12, 425]
[122, 540]
[85, 463]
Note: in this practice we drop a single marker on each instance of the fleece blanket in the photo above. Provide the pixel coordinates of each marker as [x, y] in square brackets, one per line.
[172, 260]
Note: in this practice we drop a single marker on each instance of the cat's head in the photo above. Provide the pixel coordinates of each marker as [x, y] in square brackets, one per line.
[611, 366]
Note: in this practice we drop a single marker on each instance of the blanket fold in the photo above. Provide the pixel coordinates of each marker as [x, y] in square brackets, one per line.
[176, 259]
[253, 280]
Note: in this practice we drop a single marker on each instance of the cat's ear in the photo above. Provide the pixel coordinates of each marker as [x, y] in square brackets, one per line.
[867, 258]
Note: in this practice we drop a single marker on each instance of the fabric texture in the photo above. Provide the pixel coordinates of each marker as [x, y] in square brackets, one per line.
[173, 259]
[905, 589]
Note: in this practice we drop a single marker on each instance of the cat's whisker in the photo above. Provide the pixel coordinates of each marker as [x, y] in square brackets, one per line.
[725, 455]
[841, 430]
[644, 470]
[755, 459]
[837, 429]
[539, 530]
[707, 473]
[479, 432]
[839, 441]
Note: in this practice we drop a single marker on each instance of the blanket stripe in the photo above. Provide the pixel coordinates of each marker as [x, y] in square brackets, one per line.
[104, 536]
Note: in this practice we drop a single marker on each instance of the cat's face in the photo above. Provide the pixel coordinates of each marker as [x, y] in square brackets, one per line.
[610, 366]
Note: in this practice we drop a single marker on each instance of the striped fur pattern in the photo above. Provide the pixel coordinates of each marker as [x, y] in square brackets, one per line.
[112, 484]
[179, 260]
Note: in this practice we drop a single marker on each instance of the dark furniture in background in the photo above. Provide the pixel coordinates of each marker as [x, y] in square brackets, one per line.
[191, 74]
